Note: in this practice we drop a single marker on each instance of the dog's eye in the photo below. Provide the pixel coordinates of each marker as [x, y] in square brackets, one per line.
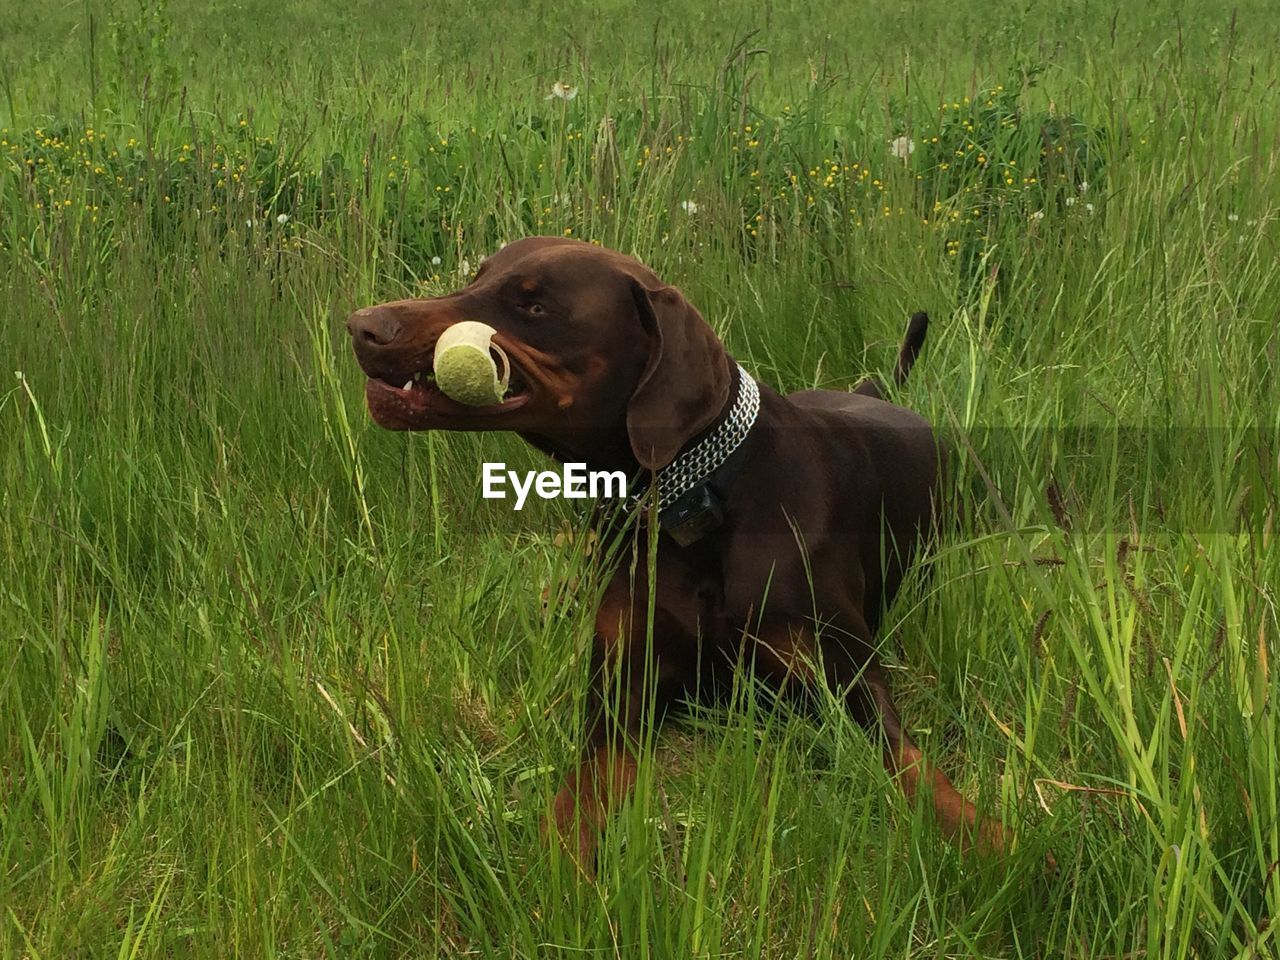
[534, 309]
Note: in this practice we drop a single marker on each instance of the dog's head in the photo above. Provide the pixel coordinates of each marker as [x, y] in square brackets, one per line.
[602, 352]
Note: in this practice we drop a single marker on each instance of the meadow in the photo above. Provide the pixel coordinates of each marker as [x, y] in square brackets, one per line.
[278, 683]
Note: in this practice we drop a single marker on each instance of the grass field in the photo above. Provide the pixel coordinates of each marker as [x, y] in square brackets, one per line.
[280, 684]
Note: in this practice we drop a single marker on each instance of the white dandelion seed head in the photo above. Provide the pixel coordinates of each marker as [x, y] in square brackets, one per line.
[250, 224]
[464, 267]
[561, 91]
[1233, 217]
[1089, 207]
[282, 219]
[435, 261]
[1084, 186]
[1071, 201]
[902, 147]
[1038, 215]
[689, 207]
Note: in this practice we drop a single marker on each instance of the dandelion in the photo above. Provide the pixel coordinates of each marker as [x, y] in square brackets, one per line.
[1071, 201]
[561, 91]
[250, 224]
[902, 148]
[435, 261]
[1038, 215]
[464, 267]
[689, 207]
[282, 219]
[1233, 217]
[1084, 186]
[1089, 207]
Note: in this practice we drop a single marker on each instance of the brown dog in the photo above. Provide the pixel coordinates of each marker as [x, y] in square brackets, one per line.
[787, 522]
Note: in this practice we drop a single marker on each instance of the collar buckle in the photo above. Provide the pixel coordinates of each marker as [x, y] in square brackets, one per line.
[693, 515]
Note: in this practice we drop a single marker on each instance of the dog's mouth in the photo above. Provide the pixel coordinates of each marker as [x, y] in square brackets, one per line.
[411, 399]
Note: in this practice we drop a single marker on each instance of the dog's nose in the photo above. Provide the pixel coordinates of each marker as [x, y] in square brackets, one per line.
[373, 326]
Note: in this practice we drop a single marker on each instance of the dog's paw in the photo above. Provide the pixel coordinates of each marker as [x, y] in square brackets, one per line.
[990, 838]
[574, 835]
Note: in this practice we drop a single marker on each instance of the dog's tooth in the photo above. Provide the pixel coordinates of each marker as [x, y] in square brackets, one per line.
[407, 385]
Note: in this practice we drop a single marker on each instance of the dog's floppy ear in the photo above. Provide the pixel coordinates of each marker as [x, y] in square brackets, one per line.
[685, 382]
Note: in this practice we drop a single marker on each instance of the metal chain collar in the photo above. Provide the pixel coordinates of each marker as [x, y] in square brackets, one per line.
[696, 464]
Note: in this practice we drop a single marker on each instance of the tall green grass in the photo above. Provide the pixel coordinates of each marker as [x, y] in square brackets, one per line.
[282, 684]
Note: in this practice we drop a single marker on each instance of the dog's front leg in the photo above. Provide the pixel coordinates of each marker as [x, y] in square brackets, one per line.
[638, 672]
[601, 781]
[606, 771]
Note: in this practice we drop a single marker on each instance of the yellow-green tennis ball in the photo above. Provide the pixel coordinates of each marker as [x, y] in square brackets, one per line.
[468, 374]
[464, 366]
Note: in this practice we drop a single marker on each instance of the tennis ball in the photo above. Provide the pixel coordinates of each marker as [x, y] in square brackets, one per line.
[464, 365]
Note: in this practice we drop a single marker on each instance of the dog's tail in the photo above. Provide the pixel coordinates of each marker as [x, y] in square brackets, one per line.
[912, 344]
